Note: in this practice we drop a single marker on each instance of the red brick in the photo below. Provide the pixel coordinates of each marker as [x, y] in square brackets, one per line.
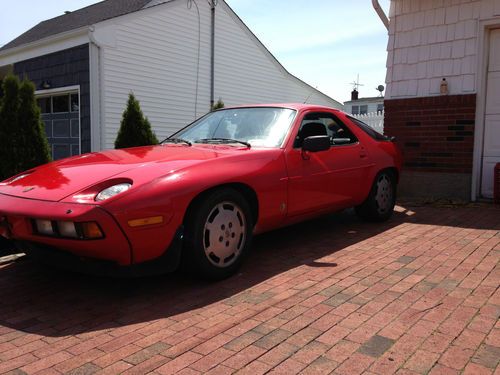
[456, 357]
[179, 363]
[422, 361]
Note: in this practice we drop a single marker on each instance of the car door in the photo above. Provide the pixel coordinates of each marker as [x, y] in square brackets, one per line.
[330, 179]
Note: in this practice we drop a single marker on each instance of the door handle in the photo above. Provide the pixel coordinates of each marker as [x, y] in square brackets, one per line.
[362, 153]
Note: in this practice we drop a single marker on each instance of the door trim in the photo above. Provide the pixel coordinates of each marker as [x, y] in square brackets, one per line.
[483, 54]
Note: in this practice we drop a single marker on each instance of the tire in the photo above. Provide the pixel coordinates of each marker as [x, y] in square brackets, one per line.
[218, 234]
[380, 203]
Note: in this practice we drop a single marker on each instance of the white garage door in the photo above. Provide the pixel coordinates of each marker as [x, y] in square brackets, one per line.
[491, 151]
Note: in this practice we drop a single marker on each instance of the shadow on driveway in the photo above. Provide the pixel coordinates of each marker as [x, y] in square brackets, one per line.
[49, 302]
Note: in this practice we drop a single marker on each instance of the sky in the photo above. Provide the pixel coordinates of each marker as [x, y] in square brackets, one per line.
[326, 43]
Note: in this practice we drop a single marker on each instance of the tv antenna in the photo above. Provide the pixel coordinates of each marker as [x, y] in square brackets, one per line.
[356, 84]
[380, 88]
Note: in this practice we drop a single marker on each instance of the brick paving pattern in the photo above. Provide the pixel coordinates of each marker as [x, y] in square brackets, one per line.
[416, 295]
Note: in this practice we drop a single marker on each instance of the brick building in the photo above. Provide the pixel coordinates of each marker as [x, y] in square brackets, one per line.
[443, 95]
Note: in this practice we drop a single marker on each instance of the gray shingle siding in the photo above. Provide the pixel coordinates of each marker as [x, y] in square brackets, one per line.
[63, 68]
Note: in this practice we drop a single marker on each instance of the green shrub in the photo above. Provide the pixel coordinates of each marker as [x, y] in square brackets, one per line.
[9, 137]
[33, 140]
[218, 105]
[23, 142]
[135, 129]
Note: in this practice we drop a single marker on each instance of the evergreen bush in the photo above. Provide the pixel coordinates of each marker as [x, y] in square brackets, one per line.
[218, 105]
[23, 142]
[9, 136]
[34, 143]
[135, 129]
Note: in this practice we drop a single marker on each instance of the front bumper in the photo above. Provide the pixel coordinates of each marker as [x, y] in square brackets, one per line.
[16, 214]
[167, 262]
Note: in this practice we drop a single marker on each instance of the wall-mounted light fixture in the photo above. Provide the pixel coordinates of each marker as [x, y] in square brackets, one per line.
[45, 85]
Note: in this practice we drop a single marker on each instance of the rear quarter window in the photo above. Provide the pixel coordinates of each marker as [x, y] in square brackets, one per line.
[368, 130]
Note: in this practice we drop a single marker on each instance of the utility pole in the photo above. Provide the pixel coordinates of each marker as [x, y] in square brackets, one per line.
[213, 4]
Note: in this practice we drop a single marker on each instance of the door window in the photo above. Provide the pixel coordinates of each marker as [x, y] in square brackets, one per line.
[338, 132]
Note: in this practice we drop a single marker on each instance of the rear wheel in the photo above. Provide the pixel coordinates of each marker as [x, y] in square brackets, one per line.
[218, 234]
[380, 203]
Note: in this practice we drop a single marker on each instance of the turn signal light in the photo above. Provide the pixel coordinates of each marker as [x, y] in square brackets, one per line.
[145, 221]
[91, 230]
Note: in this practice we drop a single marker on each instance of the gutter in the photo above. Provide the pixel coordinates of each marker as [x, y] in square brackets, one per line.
[381, 13]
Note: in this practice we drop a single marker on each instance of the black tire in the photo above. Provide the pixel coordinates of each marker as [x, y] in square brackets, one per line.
[218, 234]
[380, 203]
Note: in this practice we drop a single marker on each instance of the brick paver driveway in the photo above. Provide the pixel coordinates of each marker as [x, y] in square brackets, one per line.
[415, 295]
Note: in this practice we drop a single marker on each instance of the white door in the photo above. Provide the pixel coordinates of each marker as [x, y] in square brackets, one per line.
[491, 150]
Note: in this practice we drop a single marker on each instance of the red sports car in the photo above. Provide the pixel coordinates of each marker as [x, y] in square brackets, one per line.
[203, 193]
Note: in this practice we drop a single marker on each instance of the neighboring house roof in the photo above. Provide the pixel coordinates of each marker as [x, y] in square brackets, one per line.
[372, 99]
[73, 20]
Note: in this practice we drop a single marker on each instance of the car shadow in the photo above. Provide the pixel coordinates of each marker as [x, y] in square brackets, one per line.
[50, 302]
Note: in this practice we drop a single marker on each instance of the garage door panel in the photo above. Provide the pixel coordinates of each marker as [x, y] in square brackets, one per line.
[492, 136]
[494, 63]
[491, 143]
[61, 129]
[61, 151]
[75, 128]
[487, 180]
[493, 94]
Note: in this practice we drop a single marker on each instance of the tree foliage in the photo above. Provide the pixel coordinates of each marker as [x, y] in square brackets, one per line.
[23, 142]
[135, 128]
[36, 149]
[218, 105]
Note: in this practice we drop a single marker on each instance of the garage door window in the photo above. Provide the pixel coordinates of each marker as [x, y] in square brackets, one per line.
[61, 116]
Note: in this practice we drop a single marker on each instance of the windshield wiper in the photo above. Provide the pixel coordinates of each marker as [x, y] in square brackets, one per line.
[222, 140]
[177, 140]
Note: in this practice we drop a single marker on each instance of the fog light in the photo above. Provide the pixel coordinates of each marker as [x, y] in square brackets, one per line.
[91, 230]
[44, 227]
[67, 229]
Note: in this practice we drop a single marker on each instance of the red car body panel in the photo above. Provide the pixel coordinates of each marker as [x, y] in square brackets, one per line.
[167, 178]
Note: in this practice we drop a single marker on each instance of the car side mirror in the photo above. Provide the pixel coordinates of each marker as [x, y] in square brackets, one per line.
[316, 143]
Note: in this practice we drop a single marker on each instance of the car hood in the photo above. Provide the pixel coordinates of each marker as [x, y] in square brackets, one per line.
[58, 180]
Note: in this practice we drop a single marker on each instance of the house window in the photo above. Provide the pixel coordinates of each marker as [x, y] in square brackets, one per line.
[380, 108]
[60, 103]
[363, 109]
[75, 105]
[355, 110]
[44, 104]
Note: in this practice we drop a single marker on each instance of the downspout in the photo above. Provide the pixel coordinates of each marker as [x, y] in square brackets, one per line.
[381, 13]
[212, 54]
[99, 91]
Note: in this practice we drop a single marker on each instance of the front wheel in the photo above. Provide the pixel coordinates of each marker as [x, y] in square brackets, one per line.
[218, 234]
[380, 203]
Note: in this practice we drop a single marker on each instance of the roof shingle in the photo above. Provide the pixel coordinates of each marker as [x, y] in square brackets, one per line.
[73, 20]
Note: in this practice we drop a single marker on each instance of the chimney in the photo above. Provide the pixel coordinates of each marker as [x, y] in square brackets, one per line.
[354, 94]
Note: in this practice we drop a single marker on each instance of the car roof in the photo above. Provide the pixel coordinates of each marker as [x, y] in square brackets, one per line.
[296, 106]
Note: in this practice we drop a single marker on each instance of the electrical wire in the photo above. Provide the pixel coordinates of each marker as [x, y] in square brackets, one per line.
[189, 6]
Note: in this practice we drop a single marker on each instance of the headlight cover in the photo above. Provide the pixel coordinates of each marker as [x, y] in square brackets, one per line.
[18, 178]
[112, 191]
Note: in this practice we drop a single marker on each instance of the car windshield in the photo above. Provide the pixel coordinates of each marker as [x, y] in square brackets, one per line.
[258, 126]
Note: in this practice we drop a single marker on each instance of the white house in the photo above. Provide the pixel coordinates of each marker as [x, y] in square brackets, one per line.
[442, 100]
[86, 62]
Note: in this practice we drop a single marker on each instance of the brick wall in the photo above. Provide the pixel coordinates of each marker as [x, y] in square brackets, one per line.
[435, 134]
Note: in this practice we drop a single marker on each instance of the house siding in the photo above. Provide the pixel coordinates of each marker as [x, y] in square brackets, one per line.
[432, 39]
[68, 67]
[154, 54]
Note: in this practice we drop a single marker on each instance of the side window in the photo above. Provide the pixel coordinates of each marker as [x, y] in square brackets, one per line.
[321, 123]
